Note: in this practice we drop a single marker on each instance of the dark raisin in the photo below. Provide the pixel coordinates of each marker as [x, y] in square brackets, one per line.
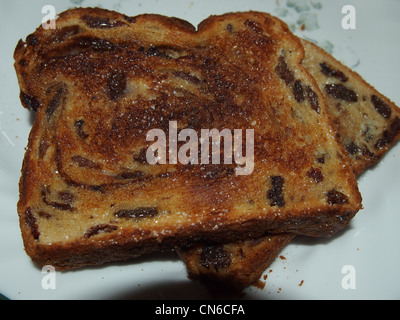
[388, 136]
[253, 25]
[116, 84]
[31, 222]
[216, 171]
[339, 91]
[153, 51]
[95, 43]
[298, 91]
[138, 213]
[130, 175]
[56, 205]
[45, 215]
[321, 159]
[164, 51]
[101, 228]
[215, 256]
[336, 197]
[55, 102]
[28, 101]
[66, 196]
[275, 193]
[313, 99]
[44, 145]
[130, 19]
[97, 188]
[352, 148]
[85, 163]
[381, 107]
[366, 152]
[101, 22]
[79, 124]
[315, 174]
[283, 71]
[328, 71]
[229, 27]
[141, 157]
[186, 76]
[32, 40]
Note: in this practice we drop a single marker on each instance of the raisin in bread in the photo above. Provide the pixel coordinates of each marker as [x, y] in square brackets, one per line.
[368, 124]
[101, 81]
[367, 121]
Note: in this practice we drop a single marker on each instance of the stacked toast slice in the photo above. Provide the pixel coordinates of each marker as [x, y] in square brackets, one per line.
[120, 160]
[368, 124]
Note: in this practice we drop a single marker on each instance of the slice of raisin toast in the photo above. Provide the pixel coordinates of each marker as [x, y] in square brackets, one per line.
[101, 81]
[368, 124]
[367, 121]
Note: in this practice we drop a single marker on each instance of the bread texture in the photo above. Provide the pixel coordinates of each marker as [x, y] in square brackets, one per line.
[368, 126]
[101, 81]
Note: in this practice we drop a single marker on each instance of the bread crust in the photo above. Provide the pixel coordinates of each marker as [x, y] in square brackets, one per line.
[102, 79]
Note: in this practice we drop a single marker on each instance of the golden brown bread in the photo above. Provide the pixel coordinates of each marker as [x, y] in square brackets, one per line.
[101, 80]
[368, 124]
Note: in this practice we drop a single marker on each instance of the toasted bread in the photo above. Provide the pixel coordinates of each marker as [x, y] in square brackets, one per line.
[101, 81]
[367, 121]
[368, 124]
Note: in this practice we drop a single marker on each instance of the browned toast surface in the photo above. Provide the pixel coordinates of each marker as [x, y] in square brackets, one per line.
[101, 80]
[368, 125]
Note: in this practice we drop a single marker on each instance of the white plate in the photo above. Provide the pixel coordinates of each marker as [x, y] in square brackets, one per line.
[313, 267]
